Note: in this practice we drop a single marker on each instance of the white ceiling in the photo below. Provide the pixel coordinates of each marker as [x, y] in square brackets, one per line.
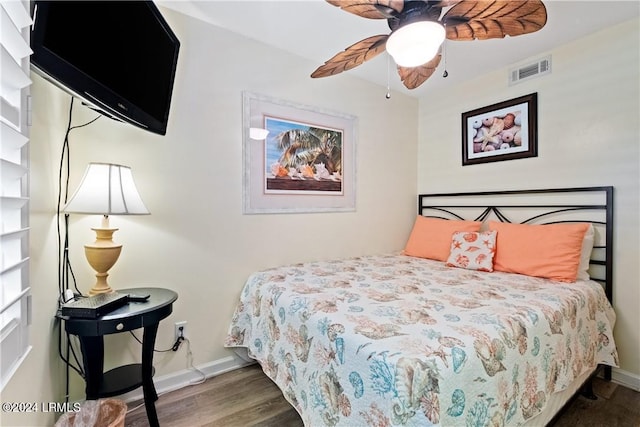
[316, 30]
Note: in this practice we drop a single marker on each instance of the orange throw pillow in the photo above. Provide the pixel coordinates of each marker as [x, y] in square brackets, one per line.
[431, 237]
[551, 251]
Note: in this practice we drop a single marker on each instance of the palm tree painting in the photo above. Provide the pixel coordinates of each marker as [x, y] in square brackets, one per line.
[302, 158]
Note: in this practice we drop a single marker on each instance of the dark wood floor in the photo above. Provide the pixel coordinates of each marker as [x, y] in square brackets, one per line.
[246, 397]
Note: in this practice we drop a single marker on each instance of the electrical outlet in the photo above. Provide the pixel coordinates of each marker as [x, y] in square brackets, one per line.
[180, 333]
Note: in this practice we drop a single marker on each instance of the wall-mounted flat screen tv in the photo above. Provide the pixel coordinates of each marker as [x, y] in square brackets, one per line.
[119, 57]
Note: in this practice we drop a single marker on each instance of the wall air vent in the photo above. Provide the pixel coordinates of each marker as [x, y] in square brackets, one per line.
[526, 72]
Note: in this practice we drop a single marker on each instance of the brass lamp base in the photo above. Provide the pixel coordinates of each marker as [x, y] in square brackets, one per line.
[102, 255]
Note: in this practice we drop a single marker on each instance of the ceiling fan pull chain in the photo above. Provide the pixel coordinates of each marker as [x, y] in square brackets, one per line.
[388, 95]
[444, 53]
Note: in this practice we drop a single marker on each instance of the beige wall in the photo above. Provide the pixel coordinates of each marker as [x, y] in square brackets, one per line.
[196, 240]
[588, 135]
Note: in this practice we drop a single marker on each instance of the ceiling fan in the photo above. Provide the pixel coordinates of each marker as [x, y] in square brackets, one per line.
[418, 30]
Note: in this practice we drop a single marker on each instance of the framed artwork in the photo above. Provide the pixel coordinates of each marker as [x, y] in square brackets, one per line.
[306, 163]
[502, 131]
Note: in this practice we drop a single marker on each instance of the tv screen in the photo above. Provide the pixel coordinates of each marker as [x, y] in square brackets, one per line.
[118, 56]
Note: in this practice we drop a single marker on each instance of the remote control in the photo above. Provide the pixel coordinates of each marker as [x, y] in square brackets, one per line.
[138, 298]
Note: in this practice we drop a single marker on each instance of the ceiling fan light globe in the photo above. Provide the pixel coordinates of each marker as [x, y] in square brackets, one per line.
[416, 43]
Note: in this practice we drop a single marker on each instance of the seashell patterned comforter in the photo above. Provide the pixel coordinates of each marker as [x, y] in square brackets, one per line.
[395, 340]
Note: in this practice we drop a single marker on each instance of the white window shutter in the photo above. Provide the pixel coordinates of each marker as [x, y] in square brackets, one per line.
[14, 186]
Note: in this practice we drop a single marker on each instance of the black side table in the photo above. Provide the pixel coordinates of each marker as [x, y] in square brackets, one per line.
[131, 316]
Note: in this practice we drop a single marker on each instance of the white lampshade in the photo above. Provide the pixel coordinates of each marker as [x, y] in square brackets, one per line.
[107, 189]
[416, 43]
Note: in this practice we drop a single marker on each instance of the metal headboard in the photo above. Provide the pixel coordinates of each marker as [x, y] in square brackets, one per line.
[548, 206]
[545, 206]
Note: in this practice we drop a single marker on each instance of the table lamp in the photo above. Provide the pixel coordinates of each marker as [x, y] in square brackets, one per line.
[106, 189]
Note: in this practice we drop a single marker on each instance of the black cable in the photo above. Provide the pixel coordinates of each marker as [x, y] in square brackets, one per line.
[174, 347]
[69, 364]
[61, 255]
[75, 356]
[65, 269]
[64, 264]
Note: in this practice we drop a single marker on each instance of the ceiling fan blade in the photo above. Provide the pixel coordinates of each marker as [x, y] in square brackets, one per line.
[447, 3]
[353, 56]
[372, 9]
[415, 76]
[490, 19]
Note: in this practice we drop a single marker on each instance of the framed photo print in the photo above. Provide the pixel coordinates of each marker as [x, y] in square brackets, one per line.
[502, 131]
[306, 162]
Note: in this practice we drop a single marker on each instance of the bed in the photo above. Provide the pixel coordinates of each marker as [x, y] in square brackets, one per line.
[406, 339]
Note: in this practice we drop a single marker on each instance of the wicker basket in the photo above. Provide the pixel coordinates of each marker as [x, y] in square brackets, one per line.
[96, 413]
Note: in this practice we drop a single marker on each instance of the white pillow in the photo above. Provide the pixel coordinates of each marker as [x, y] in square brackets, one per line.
[585, 254]
[472, 250]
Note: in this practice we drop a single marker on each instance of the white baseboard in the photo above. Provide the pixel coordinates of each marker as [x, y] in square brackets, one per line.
[625, 378]
[187, 377]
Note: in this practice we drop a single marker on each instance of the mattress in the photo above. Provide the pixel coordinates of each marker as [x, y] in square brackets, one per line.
[397, 340]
